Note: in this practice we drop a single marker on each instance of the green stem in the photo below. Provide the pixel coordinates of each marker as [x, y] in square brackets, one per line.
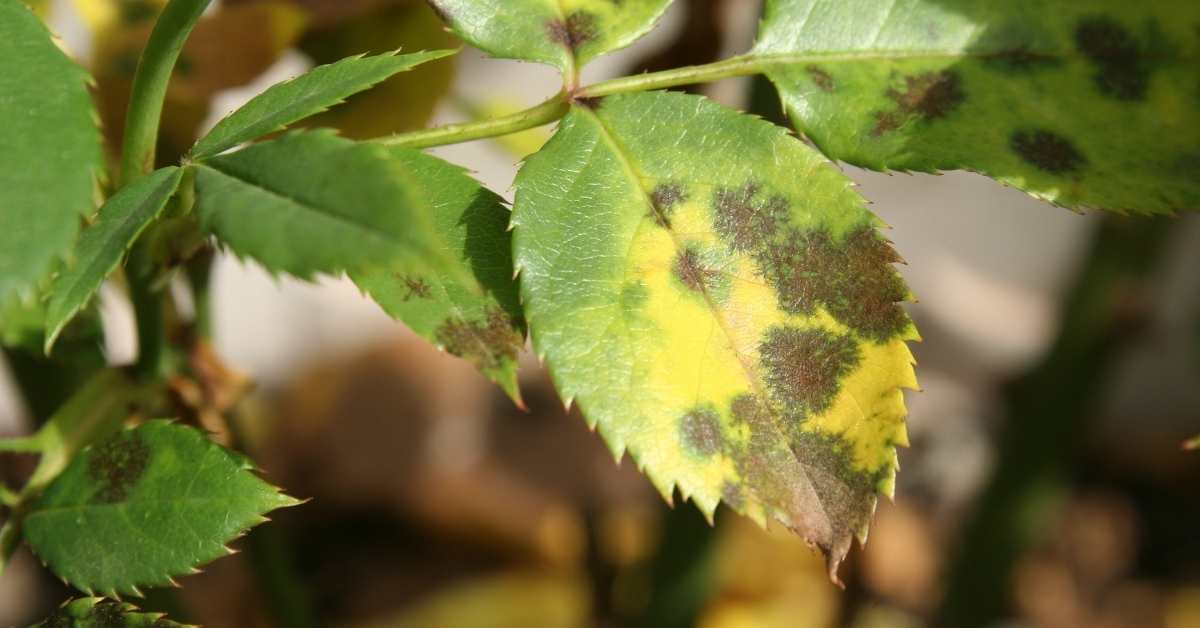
[21, 444]
[736, 66]
[545, 113]
[150, 85]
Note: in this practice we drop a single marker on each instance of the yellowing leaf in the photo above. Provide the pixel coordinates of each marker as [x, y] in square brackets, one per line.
[717, 300]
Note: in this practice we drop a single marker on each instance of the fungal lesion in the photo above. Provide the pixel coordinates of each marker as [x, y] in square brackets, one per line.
[663, 200]
[700, 432]
[927, 96]
[803, 368]
[746, 218]
[1122, 68]
[1047, 150]
[576, 30]
[116, 466]
[487, 344]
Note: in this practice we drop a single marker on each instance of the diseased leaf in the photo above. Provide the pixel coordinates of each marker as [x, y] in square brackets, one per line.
[311, 202]
[50, 152]
[102, 245]
[717, 300]
[144, 506]
[95, 612]
[1084, 104]
[310, 93]
[563, 33]
[477, 318]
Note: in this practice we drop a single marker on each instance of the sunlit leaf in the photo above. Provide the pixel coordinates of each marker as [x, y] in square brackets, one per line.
[310, 93]
[718, 301]
[94, 612]
[1084, 104]
[562, 33]
[102, 245]
[144, 506]
[477, 318]
[50, 152]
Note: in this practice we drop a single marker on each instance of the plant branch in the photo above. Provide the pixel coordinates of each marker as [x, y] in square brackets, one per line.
[150, 86]
[545, 113]
[736, 66]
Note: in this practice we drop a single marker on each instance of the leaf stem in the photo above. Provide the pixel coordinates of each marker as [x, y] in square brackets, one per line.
[545, 113]
[150, 86]
[22, 444]
[745, 65]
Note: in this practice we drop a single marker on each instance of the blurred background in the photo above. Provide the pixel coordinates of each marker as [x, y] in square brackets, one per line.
[1046, 484]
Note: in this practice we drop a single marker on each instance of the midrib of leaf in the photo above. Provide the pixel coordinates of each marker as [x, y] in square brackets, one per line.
[636, 179]
[368, 230]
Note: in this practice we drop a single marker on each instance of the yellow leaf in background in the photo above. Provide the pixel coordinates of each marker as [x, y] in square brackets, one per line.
[100, 16]
[522, 144]
[403, 102]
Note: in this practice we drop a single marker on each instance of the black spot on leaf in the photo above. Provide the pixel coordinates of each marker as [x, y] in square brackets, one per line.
[486, 343]
[1048, 151]
[690, 270]
[745, 220]
[117, 465]
[106, 614]
[927, 96]
[578, 29]
[803, 368]
[853, 279]
[416, 286]
[820, 78]
[700, 431]
[663, 199]
[1122, 72]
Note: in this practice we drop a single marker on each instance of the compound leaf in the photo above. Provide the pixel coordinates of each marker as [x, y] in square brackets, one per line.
[102, 245]
[50, 154]
[473, 313]
[1084, 104]
[95, 612]
[311, 202]
[563, 33]
[146, 505]
[426, 241]
[718, 301]
[308, 94]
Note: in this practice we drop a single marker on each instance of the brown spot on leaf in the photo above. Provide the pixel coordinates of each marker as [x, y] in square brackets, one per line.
[578, 29]
[1121, 69]
[486, 343]
[117, 465]
[803, 368]
[853, 279]
[700, 431]
[1046, 150]
[847, 494]
[591, 103]
[820, 78]
[416, 286]
[745, 220]
[663, 199]
[105, 614]
[690, 270]
[927, 96]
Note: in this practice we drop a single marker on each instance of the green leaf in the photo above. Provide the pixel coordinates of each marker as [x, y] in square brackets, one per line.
[311, 202]
[95, 612]
[308, 94]
[49, 151]
[563, 33]
[1084, 104]
[144, 506]
[102, 245]
[718, 301]
[473, 313]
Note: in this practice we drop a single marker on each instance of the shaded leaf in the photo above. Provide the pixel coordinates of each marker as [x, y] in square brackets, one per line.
[50, 152]
[102, 245]
[1084, 104]
[311, 202]
[404, 102]
[477, 318]
[562, 33]
[95, 612]
[144, 506]
[310, 93]
[717, 300]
